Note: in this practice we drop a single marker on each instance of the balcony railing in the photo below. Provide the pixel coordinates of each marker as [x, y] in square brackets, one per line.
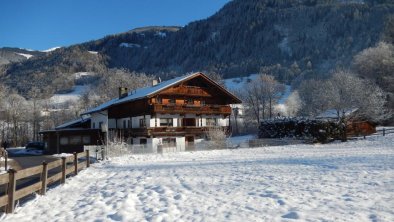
[192, 109]
[190, 91]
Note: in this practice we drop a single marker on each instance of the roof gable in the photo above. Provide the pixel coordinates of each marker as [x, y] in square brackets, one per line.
[151, 91]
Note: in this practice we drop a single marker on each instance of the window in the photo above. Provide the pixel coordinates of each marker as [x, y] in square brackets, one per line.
[202, 103]
[63, 140]
[86, 140]
[142, 122]
[166, 122]
[189, 101]
[171, 101]
[159, 100]
[143, 141]
[128, 123]
[100, 125]
[124, 124]
[75, 140]
[169, 142]
[211, 122]
[94, 125]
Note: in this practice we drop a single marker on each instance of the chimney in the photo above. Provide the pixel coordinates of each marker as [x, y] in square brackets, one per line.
[122, 92]
[154, 82]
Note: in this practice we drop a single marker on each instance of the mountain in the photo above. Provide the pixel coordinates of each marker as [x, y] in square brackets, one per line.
[10, 55]
[286, 37]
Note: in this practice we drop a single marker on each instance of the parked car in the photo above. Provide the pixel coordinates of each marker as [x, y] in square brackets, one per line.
[35, 146]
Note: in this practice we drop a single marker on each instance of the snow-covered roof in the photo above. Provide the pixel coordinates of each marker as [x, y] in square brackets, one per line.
[76, 121]
[143, 92]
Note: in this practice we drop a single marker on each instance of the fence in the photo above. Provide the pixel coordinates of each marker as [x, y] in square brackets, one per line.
[4, 154]
[115, 150]
[385, 131]
[68, 165]
[379, 132]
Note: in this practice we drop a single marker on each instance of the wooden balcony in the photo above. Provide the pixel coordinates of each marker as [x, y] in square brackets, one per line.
[191, 109]
[167, 131]
[187, 90]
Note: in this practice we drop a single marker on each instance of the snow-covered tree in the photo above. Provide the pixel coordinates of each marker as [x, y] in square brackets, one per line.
[260, 96]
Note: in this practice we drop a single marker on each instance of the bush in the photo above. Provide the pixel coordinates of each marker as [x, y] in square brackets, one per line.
[317, 130]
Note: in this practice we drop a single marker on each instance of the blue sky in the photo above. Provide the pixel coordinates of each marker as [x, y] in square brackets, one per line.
[43, 24]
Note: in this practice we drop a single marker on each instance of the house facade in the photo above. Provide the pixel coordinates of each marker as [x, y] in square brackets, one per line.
[171, 114]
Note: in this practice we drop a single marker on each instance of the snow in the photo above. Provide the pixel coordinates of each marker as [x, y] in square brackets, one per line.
[237, 83]
[332, 113]
[129, 45]
[70, 123]
[161, 34]
[51, 49]
[27, 56]
[73, 96]
[79, 75]
[351, 181]
[62, 155]
[22, 152]
[93, 52]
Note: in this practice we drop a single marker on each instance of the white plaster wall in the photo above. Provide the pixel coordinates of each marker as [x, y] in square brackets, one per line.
[135, 121]
[99, 117]
[111, 123]
[223, 121]
[120, 122]
[180, 143]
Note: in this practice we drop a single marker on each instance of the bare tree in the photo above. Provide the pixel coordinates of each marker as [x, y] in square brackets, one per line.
[347, 91]
[311, 93]
[377, 64]
[216, 138]
[115, 78]
[261, 95]
[217, 77]
[16, 117]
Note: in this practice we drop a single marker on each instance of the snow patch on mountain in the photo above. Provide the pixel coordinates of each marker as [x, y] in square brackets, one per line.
[51, 49]
[27, 56]
[129, 45]
[73, 96]
[237, 83]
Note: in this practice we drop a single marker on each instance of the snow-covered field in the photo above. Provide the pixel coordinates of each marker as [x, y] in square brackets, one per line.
[351, 181]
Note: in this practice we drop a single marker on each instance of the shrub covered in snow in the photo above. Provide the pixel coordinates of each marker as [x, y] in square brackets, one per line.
[317, 130]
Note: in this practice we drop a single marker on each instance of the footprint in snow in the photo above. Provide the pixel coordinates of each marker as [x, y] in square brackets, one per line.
[291, 215]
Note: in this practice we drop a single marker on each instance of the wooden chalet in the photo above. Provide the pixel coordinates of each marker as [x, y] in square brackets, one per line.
[173, 113]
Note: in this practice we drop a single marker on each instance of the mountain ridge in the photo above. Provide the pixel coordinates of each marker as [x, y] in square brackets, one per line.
[241, 38]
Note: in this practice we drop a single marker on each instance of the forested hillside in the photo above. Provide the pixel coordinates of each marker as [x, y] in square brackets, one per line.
[290, 39]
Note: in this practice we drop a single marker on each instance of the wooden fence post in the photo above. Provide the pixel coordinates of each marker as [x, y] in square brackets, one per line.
[44, 177]
[63, 170]
[6, 161]
[75, 163]
[11, 190]
[87, 158]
